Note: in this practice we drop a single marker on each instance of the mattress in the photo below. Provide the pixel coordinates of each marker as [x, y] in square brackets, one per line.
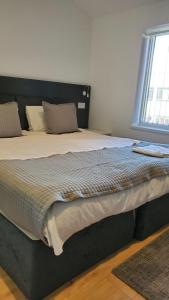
[65, 219]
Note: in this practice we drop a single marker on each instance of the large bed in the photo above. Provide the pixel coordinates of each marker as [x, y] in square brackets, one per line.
[80, 233]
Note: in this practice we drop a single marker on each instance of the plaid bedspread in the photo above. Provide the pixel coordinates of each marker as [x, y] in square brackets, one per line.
[28, 188]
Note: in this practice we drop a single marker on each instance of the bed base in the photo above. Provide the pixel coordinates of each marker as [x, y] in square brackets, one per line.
[38, 272]
[35, 269]
[152, 216]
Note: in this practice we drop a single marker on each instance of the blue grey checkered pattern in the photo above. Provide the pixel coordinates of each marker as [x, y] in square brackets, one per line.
[28, 188]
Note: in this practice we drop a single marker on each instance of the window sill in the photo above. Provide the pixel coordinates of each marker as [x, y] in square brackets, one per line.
[149, 129]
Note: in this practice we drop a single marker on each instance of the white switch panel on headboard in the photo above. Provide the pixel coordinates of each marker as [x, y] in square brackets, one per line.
[81, 105]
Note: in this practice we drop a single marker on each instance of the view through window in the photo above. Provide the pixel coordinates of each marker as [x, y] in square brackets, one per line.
[154, 106]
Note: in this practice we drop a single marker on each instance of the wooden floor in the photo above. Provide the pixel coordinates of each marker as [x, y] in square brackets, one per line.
[96, 284]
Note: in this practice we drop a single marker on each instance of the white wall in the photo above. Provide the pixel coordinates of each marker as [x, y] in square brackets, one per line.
[116, 45]
[44, 39]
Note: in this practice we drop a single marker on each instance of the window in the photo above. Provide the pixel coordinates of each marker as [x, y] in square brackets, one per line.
[163, 94]
[150, 94]
[152, 105]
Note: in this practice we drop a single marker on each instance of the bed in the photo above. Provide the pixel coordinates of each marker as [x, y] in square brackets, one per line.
[90, 242]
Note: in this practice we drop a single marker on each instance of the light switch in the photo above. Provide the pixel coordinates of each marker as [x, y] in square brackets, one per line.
[81, 105]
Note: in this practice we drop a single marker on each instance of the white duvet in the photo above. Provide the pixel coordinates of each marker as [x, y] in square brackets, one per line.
[39, 144]
[65, 219]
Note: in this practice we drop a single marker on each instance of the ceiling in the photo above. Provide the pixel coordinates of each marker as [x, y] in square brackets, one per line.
[97, 8]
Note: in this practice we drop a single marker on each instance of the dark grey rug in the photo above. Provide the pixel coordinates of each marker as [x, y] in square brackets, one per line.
[148, 270]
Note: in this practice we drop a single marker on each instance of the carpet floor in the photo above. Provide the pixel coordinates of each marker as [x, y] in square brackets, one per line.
[148, 270]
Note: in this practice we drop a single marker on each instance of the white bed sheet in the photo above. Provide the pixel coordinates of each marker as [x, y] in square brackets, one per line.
[65, 219]
[40, 144]
[79, 214]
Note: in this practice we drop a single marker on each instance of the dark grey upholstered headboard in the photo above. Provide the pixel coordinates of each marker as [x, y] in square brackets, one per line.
[33, 92]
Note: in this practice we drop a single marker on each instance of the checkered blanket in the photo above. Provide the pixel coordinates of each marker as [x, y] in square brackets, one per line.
[28, 188]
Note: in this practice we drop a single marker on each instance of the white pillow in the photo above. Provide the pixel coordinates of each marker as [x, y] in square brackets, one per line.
[35, 117]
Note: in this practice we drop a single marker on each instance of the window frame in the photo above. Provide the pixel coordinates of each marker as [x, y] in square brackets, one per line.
[143, 83]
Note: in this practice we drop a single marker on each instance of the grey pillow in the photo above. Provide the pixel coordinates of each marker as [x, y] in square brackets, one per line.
[9, 120]
[60, 118]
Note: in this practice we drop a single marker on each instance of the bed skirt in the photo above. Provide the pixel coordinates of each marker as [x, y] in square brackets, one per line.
[38, 272]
